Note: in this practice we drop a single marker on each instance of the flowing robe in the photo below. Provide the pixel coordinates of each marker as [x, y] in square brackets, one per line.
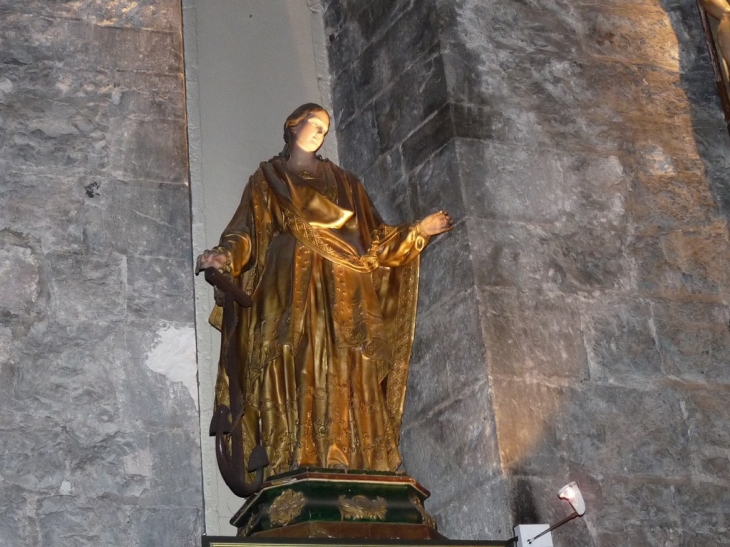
[325, 347]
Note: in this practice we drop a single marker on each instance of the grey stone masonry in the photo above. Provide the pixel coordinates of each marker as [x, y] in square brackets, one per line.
[98, 392]
[574, 325]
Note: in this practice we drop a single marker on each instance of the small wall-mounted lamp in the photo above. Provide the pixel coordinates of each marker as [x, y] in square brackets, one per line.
[570, 493]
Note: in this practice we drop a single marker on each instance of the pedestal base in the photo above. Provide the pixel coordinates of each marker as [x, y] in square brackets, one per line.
[311, 502]
[325, 507]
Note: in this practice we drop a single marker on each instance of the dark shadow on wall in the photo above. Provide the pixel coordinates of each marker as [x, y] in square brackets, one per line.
[698, 82]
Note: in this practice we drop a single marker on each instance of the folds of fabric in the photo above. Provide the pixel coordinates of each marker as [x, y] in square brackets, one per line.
[325, 347]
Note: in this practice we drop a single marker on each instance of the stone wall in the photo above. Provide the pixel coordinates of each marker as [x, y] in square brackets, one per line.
[574, 325]
[98, 392]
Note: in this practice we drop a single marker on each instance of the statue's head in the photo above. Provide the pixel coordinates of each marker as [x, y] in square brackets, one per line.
[307, 126]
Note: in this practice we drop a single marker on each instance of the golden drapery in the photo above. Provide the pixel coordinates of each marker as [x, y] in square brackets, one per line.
[325, 347]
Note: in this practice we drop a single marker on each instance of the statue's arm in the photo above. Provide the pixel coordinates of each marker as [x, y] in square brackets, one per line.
[398, 245]
[250, 223]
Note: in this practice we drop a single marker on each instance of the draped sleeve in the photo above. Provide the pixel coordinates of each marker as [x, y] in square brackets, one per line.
[247, 236]
[394, 245]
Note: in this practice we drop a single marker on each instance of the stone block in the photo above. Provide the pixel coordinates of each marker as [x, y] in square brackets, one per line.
[537, 81]
[99, 469]
[501, 25]
[464, 84]
[531, 436]
[84, 521]
[147, 14]
[160, 289]
[44, 209]
[413, 97]
[720, 186]
[168, 526]
[437, 183]
[636, 500]
[85, 46]
[642, 35]
[87, 288]
[567, 97]
[138, 218]
[683, 261]
[706, 410]
[15, 523]
[147, 96]
[396, 204]
[387, 187]
[710, 508]
[445, 268]
[153, 150]
[375, 18]
[656, 511]
[653, 150]
[412, 36]
[385, 172]
[156, 393]
[433, 134]
[532, 336]
[343, 98]
[478, 512]
[68, 369]
[445, 360]
[693, 340]
[687, 26]
[62, 124]
[621, 340]
[547, 430]
[345, 43]
[66, 136]
[175, 469]
[32, 461]
[18, 261]
[671, 200]
[567, 257]
[634, 92]
[455, 446]
[711, 141]
[627, 431]
[358, 142]
[536, 185]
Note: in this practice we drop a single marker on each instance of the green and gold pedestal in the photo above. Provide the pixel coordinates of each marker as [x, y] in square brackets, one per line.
[331, 503]
[313, 507]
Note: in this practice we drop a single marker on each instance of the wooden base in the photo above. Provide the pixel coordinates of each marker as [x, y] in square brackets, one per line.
[353, 530]
[216, 541]
[319, 503]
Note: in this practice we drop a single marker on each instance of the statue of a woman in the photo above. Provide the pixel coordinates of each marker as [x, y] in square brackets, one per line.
[324, 349]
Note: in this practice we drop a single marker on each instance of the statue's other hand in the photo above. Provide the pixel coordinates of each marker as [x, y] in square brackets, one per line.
[437, 223]
[210, 258]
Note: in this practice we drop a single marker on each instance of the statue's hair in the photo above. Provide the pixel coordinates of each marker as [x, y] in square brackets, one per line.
[294, 119]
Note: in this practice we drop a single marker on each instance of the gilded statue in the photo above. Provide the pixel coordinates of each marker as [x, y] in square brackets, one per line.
[720, 10]
[324, 348]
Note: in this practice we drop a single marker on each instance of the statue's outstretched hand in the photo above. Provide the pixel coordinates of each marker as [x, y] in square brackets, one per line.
[437, 223]
[210, 258]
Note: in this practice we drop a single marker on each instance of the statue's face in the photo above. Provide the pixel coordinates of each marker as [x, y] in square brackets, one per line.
[309, 134]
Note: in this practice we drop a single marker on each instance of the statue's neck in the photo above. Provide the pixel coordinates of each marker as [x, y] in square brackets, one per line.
[299, 161]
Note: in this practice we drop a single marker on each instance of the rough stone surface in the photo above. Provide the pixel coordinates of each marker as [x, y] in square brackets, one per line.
[574, 325]
[100, 440]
